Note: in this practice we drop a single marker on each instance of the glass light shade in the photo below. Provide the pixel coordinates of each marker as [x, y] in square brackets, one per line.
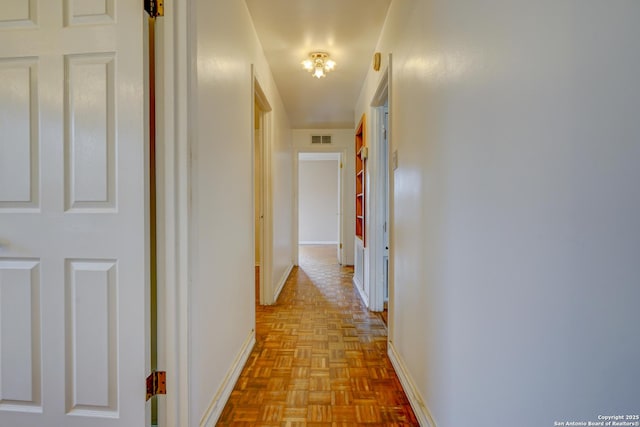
[307, 64]
[318, 64]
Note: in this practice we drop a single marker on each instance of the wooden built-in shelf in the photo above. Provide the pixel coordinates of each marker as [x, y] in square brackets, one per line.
[361, 160]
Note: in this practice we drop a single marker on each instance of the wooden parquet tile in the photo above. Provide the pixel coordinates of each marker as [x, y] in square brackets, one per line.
[320, 357]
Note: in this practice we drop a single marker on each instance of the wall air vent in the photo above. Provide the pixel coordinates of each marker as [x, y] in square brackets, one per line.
[321, 139]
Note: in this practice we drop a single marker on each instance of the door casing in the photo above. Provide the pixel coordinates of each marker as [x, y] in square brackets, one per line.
[263, 140]
[381, 197]
[341, 193]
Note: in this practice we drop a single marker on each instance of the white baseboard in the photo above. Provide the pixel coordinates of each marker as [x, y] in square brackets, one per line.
[216, 406]
[317, 242]
[281, 282]
[413, 394]
[359, 287]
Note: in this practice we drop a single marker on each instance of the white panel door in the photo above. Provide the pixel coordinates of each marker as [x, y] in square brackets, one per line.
[72, 214]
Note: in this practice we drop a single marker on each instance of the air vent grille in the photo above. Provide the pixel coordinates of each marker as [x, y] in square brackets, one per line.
[321, 139]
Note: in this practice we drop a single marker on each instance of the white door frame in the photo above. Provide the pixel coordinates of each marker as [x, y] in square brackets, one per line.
[258, 97]
[173, 88]
[377, 196]
[296, 200]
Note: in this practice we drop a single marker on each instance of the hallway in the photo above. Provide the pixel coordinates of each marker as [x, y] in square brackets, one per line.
[320, 357]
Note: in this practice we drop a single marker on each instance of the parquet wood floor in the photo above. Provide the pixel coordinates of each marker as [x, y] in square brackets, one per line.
[320, 357]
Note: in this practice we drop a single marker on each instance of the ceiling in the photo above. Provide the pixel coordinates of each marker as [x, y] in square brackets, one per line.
[347, 29]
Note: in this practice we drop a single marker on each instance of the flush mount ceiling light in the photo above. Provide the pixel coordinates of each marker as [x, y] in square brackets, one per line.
[318, 64]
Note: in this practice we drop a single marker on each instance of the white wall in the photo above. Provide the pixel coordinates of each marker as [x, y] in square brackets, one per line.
[282, 184]
[516, 229]
[318, 201]
[342, 141]
[222, 215]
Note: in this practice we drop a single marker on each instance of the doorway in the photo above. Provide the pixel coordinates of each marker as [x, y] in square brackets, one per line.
[261, 158]
[384, 172]
[381, 245]
[319, 208]
[258, 198]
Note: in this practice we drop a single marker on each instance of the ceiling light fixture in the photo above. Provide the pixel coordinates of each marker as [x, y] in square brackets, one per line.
[318, 64]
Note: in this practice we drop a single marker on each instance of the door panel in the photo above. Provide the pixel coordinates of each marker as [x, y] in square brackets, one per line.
[92, 336]
[18, 13]
[19, 140]
[20, 354]
[73, 266]
[90, 141]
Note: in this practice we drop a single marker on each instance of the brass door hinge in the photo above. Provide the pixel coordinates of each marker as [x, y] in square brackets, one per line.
[340, 245]
[154, 7]
[156, 384]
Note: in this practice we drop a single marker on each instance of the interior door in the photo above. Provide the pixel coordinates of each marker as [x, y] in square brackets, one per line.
[72, 214]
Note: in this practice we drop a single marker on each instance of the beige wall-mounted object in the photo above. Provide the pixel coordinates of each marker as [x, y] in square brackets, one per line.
[376, 61]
